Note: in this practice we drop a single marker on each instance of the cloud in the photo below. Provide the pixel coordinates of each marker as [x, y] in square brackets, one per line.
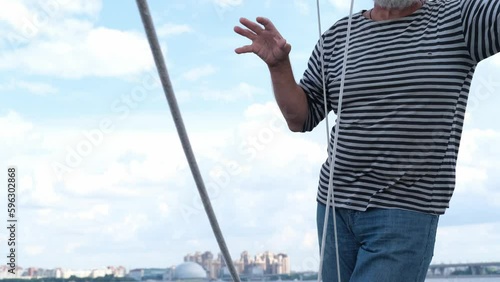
[71, 247]
[28, 20]
[477, 178]
[89, 7]
[223, 6]
[14, 127]
[228, 3]
[127, 228]
[37, 88]
[481, 242]
[199, 72]
[302, 6]
[34, 250]
[150, 166]
[477, 160]
[135, 191]
[164, 209]
[496, 59]
[66, 43]
[341, 4]
[12, 13]
[93, 52]
[173, 29]
[241, 91]
[94, 212]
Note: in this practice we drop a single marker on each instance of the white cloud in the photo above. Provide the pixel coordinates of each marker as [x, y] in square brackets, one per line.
[95, 52]
[302, 6]
[131, 164]
[310, 239]
[37, 88]
[28, 19]
[136, 183]
[13, 127]
[173, 29]
[479, 148]
[94, 212]
[64, 42]
[90, 7]
[164, 209]
[34, 250]
[241, 91]
[199, 72]
[496, 59]
[477, 168]
[341, 4]
[13, 12]
[228, 3]
[481, 242]
[44, 192]
[470, 178]
[126, 229]
[71, 247]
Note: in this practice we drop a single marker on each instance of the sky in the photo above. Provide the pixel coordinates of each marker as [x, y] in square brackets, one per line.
[102, 176]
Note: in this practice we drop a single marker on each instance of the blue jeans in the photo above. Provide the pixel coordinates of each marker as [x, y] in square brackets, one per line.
[378, 245]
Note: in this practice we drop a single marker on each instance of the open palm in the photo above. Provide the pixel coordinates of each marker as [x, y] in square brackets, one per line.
[267, 42]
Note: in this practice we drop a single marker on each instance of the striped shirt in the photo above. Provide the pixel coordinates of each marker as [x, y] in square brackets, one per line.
[404, 102]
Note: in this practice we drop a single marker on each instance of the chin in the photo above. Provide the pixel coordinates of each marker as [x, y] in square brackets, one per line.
[395, 4]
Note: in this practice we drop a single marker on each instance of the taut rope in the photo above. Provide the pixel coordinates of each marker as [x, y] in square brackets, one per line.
[332, 153]
[181, 130]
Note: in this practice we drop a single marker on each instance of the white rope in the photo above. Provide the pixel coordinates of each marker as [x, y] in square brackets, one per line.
[332, 152]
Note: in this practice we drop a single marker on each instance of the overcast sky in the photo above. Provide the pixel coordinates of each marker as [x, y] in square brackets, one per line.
[103, 179]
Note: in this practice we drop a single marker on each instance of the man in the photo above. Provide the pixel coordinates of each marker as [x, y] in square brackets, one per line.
[409, 69]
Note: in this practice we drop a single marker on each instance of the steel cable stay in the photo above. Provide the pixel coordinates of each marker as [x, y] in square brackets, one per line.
[181, 130]
[333, 151]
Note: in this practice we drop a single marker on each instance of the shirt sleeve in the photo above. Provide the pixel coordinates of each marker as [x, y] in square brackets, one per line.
[312, 83]
[481, 25]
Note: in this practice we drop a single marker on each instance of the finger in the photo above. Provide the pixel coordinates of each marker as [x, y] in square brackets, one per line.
[281, 42]
[287, 48]
[245, 32]
[283, 45]
[266, 23]
[244, 49]
[257, 29]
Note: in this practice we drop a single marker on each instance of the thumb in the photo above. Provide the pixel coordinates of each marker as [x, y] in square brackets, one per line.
[281, 42]
[287, 48]
[284, 45]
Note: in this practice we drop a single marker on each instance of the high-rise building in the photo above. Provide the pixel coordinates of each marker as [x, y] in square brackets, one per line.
[261, 264]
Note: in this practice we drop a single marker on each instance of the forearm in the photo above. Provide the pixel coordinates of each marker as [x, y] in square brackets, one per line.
[290, 97]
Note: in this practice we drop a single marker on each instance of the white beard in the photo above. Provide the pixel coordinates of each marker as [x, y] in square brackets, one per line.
[395, 4]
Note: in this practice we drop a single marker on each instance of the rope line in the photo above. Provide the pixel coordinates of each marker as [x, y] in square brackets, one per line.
[332, 152]
[181, 130]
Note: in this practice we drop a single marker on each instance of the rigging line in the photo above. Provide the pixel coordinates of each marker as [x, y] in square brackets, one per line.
[181, 130]
[332, 152]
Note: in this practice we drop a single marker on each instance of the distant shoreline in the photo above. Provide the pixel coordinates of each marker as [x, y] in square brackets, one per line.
[462, 276]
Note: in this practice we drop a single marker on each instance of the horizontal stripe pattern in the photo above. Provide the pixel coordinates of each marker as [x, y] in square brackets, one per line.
[405, 96]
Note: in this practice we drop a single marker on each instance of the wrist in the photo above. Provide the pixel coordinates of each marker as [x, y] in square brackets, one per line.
[280, 65]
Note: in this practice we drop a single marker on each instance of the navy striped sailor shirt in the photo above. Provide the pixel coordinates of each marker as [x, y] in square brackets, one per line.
[404, 102]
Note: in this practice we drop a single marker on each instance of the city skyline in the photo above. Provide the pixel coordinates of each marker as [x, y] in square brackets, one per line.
[181, 259]
[486, 269]
[265, 263]
[194, 254]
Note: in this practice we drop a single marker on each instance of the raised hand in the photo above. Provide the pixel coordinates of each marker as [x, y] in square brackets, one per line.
[267, 42]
